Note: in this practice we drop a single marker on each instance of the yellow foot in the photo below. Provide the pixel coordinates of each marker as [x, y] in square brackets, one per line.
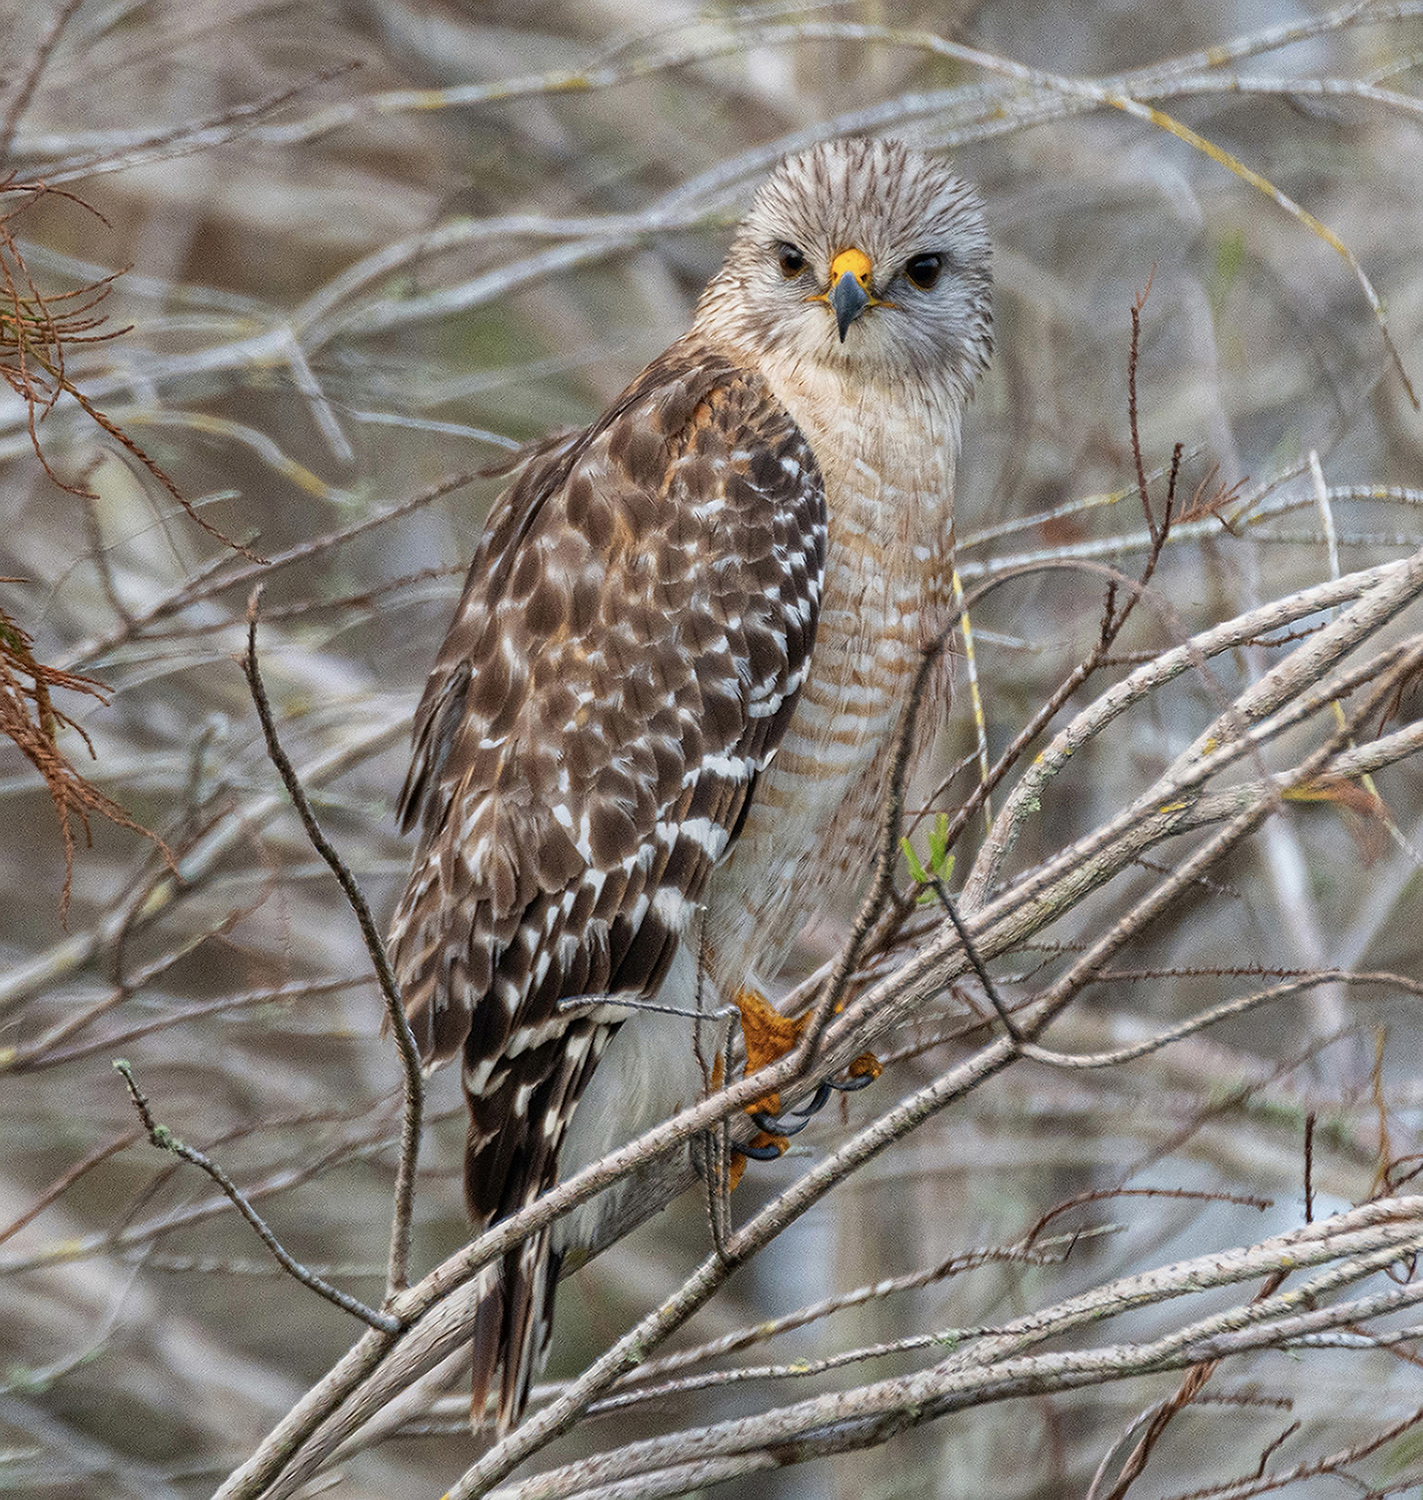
[866, 1066]
[769, 1035]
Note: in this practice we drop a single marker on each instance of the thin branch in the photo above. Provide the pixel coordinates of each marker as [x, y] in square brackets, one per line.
[975, 959]
[192, 135]
[46, 1053]
[1330, 1463]
[211, 580]
[26, 85]
[165, 1140]
[67, 1179]
[998, 1369]
[1213, 1016]
[1031, 1250]
[1388, 590]
[84, 1247]
[1114, 620]
[413, 1079]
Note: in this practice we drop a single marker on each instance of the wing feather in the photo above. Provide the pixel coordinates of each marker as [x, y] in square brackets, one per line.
[634, 631]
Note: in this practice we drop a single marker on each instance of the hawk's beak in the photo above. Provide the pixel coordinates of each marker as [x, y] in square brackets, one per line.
[849, 294]
[849, 299]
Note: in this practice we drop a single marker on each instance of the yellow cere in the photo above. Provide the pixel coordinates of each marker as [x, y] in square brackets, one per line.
[856, 262]
[859, 265]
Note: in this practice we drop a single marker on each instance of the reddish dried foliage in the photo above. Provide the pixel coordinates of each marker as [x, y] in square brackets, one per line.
[36, 331]
[29, 718]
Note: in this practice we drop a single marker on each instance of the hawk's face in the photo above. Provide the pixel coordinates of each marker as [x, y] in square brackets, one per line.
[822, 271]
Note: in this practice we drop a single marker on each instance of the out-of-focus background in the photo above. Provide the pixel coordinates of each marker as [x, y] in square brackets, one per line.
[368, 246]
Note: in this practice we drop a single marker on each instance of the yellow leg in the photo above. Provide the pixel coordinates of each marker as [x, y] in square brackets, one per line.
[769, 1036]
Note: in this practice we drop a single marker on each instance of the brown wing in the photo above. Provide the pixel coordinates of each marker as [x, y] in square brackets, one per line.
[634, 631]
[633, 635]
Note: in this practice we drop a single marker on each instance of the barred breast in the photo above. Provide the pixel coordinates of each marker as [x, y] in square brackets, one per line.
[809, 837]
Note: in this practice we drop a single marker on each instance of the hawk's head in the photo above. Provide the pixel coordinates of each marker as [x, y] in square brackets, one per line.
[864, 256]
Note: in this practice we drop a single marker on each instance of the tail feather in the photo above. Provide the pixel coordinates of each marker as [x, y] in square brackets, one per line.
[512, 1327]
[488, 1334]
[516, 1129]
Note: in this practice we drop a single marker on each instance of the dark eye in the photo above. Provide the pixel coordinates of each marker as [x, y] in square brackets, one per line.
[924, 270]
[792, 261]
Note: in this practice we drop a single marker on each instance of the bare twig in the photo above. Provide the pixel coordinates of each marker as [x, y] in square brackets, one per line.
[67, 1179]
[368, 1146]
[165, 1140]
[414, 1083]
[1000, 1368]
[25, 86]
[221, 574]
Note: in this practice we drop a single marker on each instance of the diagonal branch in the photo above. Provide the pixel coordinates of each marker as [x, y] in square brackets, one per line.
[165, 1140]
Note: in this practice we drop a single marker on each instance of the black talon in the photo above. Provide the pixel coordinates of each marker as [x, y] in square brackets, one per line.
[761, 1153]
[817, 1102]
[795, 1120]
[773, 1125]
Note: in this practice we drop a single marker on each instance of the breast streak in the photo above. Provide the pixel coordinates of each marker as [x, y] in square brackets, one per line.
[810, 836]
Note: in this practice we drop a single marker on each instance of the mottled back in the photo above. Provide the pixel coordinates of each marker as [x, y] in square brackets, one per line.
[632, 637]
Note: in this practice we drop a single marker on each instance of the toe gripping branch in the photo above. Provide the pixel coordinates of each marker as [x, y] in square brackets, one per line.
[795, 1120]
[770, 1035]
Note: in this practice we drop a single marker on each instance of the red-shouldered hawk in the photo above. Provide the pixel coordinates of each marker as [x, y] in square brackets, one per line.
[656, 737]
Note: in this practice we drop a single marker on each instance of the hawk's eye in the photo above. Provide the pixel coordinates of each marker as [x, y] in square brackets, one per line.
[924, 270]
[792, 261]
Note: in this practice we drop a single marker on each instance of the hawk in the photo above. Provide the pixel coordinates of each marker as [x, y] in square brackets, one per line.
[657, 735]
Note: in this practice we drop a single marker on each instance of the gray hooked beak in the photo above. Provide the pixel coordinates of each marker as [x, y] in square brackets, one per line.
[849, 299]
